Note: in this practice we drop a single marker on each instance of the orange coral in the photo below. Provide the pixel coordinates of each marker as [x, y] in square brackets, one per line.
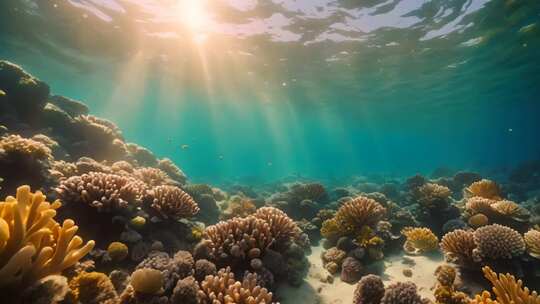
[419, 240]
[458, 246]
[507, 290]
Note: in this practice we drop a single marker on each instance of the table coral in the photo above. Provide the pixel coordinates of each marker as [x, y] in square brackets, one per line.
[419, 240]
[32, 244]
[172, 202]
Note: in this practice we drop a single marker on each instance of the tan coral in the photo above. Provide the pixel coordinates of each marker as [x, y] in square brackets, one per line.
[433, 195]
[222, 288]
[106, 192]
[239, 206]
[173, 202]
[281, 226]
[358, 212]
[507, 290]
[32, 244]
[497, 242]
[26, 146]
[510, 209]
[477, 204]
[532, 239]
[152, 176]
[458, 246]
[419, 240]
[484, 188]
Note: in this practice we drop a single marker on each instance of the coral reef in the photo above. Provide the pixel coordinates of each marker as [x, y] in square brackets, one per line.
[532, 240]
[507, 290]
[497, 242]
[401, 293]
[458, 246]
[173, 202]
[369, 290]
[483, 188]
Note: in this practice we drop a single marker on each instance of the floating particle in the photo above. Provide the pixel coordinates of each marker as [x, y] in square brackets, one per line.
[284, 84]
[510, 130]
[269, 164]
[220, 157]
[184, 147]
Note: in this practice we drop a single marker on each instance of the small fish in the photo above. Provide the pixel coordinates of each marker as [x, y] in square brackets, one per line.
[220, 157]
[269, 164]
[184, 147]
[510, 130]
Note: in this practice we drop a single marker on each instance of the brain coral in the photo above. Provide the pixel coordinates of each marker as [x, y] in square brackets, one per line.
[507, 290]
[369, 290]
[106, 192]
[32, 244]
[498, 242]
[532, 239]
[173, 202]
[223, 288]
[401, 293]
[458, 246]
[483, 188]
[419, 240]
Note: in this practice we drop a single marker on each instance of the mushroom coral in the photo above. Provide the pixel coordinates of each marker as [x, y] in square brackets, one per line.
[222, 288]
[32, 244]
[507, 290]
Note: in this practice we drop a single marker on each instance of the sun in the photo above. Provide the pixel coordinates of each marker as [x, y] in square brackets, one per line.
[193, 14]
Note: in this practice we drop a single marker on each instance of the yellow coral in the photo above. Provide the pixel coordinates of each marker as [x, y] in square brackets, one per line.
[419, 240]
[507, 290]
[532, 239]
[117, 251]
[331, 230]
[32, 244]
[484, 188]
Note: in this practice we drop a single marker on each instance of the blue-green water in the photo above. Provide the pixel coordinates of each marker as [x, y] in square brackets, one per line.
[259, 90]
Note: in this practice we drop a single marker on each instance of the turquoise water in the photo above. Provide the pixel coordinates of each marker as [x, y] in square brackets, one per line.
[260, 90]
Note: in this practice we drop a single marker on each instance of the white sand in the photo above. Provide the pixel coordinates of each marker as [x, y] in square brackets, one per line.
[313, 291]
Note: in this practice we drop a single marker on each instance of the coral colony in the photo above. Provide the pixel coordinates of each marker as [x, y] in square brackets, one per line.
[87, 217]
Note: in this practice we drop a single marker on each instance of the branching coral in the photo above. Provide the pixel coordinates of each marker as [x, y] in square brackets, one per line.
[282, 227]
[26, 146]
[32, 244]
[173, 202]
[223, 288]
[352, 217]
[458, 246]
[483, 188]
[532, 240]
[419, 240]
[507, 290]
[106, 192]
[152, 176]
[497, 242]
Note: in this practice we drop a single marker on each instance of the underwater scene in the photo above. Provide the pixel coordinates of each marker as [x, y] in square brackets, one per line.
[269, 151]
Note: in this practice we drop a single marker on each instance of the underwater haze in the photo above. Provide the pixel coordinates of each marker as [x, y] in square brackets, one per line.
[260, 90]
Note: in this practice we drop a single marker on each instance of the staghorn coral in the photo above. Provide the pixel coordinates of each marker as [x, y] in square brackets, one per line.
[223, 288]
[172, 202]
[352, 216]
[483, 188]
[401, 293]
[507, 290]
[458, 246]
[105, 192]
[32, 244]
[419, 240]
[532, 240]
[369, 290]
[497, 242]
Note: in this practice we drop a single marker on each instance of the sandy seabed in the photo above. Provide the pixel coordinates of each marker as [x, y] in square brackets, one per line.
[314, 291]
